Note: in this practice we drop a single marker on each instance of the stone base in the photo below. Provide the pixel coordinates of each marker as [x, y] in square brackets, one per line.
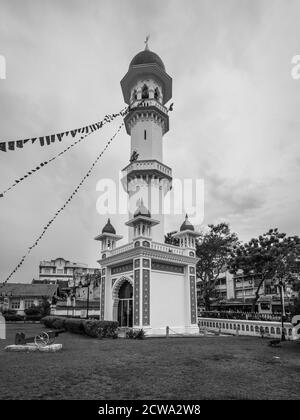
[190, 330]
[30, 347]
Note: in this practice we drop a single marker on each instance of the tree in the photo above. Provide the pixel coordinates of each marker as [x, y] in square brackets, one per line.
[296, 307]
[170, 240]
[213, 249]
[271, 255]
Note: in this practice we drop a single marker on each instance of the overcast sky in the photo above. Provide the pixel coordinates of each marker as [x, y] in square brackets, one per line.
[235, 121]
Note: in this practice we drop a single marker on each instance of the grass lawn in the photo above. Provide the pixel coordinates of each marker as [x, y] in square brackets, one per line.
[174, 368]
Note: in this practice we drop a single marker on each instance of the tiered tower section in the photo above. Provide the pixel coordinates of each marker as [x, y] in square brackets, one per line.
[146, 89]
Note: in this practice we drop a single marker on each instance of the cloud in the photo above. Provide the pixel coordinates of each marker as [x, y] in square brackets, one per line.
[235, 121]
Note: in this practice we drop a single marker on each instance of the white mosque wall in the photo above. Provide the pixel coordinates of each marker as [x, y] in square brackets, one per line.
[169, 300]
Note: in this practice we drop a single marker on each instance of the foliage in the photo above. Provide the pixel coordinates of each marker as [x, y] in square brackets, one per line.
[13, 317]
[213, 249]
[135, 334]
[271, 255]
[296, 307]
[92, 328]
[33, 310]
[170, 240]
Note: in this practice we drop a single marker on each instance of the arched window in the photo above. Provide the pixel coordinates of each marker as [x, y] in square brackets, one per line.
[145, 92]
[156, 94]
[134, 95]
[125, 291]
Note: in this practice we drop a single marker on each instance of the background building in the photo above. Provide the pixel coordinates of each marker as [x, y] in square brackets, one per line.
[20, 296]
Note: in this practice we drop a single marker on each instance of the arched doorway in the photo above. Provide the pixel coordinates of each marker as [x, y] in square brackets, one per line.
[125, 305]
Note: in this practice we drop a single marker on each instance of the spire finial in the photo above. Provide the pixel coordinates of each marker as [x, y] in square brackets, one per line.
[146, 42]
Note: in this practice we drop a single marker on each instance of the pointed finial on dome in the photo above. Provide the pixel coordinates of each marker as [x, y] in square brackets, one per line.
[146, 42]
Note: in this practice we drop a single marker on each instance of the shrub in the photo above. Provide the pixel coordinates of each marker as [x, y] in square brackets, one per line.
[91, 328]
[33, 310]
[13, 317]
[136, 334]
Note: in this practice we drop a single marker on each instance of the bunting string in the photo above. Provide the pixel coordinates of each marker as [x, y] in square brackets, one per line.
[32, 171]
[47, 140]
[70, 198]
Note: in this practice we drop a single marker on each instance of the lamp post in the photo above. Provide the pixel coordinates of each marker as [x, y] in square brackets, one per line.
[87, 284]
[280, 284]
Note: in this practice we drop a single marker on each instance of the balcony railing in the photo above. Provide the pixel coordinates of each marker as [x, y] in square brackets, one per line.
[167, 248]
[149, 102]
[154, 245]
[144, 165]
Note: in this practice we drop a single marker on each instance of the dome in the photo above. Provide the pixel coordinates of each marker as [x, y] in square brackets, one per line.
[147, 57]
[108, 228]
[142, 211]
[186, 225]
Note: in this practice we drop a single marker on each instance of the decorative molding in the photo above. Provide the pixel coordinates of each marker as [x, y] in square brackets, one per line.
[122, 268]
[150, 253]
[102, 301]
[146, 297]
[118, 283]
[146, 263]
[171, 268]
[193, 302]
[136, 298]
[192, 270]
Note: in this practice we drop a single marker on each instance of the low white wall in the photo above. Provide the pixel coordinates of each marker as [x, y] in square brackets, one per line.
[272, 329]
[74, 312]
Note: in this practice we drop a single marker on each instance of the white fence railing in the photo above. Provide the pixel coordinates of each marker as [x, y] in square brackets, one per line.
[270, 329]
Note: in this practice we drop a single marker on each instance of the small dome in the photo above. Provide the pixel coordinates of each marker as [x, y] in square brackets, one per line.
[142, 211]
[147, 57]
[186, 225]
[108, 228]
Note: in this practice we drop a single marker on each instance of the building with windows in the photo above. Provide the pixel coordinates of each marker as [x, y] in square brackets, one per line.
[241, 289]
[20, 296]
[147, 283]
[68, 275]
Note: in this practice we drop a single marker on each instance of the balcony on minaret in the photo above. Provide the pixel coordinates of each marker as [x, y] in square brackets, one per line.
[147, 170]
[150, 109]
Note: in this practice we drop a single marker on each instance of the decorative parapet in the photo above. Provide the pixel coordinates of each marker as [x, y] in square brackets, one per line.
[246, 327]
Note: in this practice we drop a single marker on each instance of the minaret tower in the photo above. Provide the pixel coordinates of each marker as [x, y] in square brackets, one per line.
[146, 89]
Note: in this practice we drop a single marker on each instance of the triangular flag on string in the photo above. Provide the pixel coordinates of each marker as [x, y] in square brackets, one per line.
[33, 140]
[48, 141]
[20, 143]
[66, 133]
[87, 129]
[74, 132]
[25, 141]
[42, 141]
[52, 138]
[3, 147]
[60, 136]
[11, 145]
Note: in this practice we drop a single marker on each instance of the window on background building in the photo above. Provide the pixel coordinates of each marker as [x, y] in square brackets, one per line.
[15, 304]
[28, 303]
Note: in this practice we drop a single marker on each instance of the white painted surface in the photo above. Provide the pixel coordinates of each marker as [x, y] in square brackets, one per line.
[248, 327]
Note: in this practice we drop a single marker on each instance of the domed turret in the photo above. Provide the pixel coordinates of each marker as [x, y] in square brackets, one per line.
[186, 225]
[147, 57]
[108, 228]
